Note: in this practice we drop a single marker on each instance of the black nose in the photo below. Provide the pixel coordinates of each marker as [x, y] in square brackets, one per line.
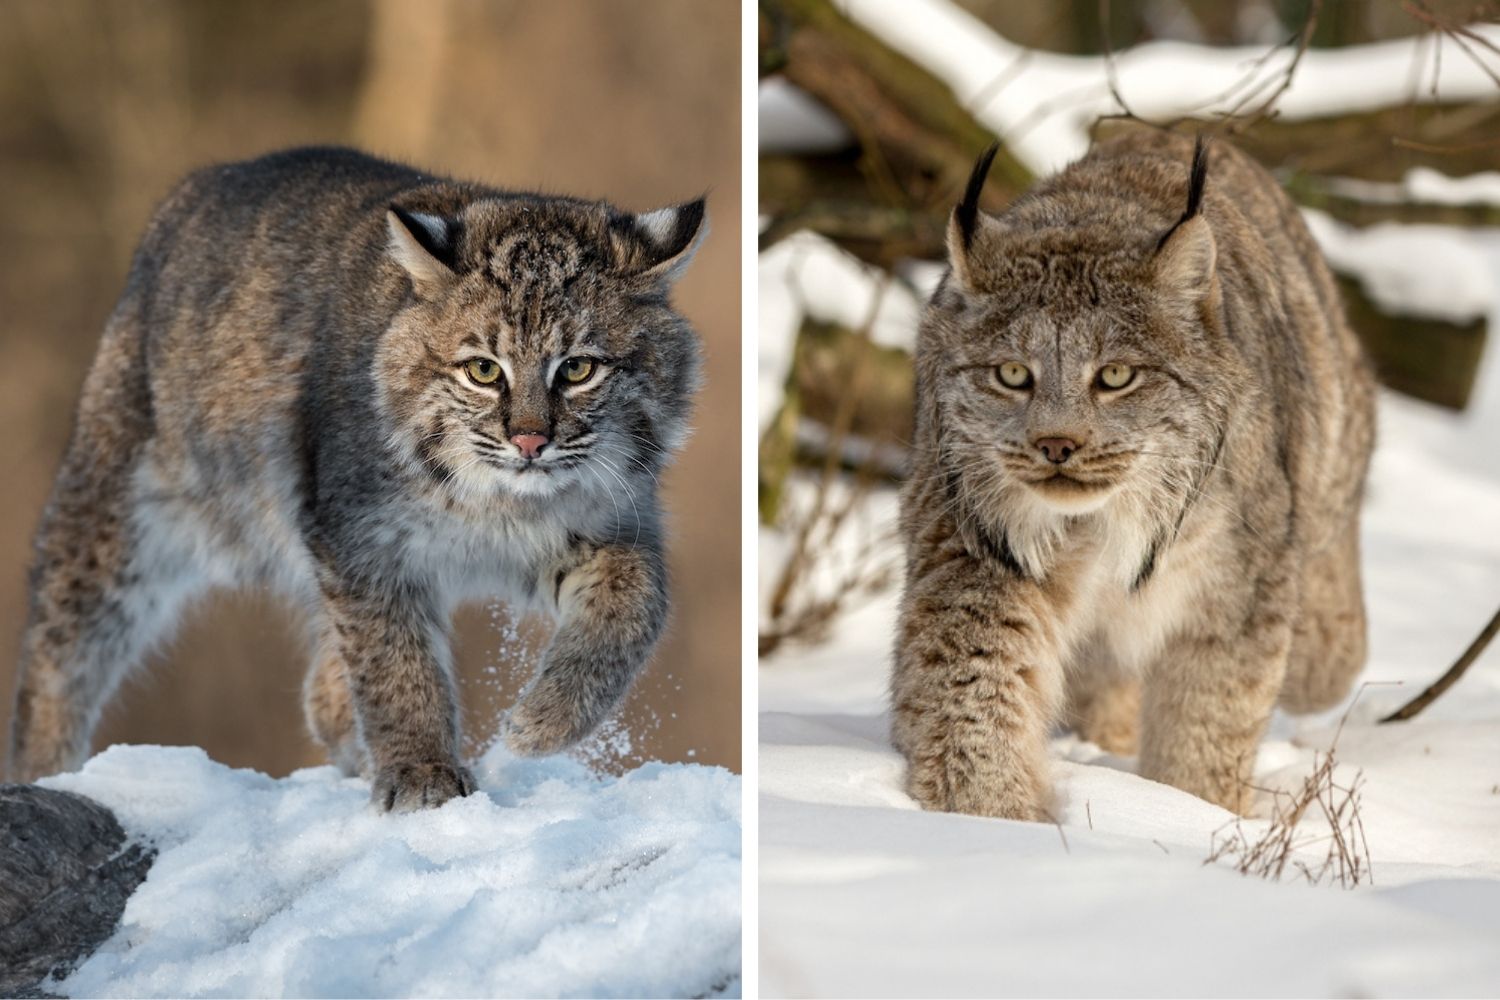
[1057, 450]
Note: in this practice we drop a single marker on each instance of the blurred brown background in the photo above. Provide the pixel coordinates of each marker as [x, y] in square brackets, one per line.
[103, 105]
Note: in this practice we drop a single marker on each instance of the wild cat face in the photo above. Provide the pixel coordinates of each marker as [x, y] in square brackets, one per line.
[1069, 365]
[539, 355]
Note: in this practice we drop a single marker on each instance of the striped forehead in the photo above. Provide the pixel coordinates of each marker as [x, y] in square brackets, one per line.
[538, 260]
[542, 340]
[537, 272]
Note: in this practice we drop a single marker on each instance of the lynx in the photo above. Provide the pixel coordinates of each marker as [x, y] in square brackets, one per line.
[380, 393]
[1143, 427]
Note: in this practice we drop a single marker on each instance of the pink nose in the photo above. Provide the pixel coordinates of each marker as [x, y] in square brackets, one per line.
[531, 445]
[1057, 449]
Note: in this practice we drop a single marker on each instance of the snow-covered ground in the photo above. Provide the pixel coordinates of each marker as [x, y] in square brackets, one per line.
[552, 880]
[864, 894]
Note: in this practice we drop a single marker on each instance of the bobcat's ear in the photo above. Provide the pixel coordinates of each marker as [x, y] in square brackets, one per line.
[659, 244]
[426, 247]
[1185, 254]
[971, 231]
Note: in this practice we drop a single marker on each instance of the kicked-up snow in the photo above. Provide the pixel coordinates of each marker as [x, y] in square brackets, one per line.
[551, 880]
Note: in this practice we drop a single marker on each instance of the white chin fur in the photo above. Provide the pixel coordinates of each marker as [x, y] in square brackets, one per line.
[1073, 503]
[530, 482]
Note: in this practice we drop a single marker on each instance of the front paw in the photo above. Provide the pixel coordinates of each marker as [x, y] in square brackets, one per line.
[542, 725]
[953, 781]
[408, 787]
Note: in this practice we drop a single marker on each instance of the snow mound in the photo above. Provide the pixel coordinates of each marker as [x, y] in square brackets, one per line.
[552, 880]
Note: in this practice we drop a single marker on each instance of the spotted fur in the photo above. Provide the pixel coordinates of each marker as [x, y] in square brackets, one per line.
[281, 400]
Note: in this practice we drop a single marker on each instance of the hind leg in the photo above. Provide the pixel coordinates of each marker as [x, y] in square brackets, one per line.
[329, 706]
[101, 594]
[1328, 644]
[1104, 702]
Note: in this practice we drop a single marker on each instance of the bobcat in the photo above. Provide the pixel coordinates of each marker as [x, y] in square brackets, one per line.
[380, 393]
[1143, 427]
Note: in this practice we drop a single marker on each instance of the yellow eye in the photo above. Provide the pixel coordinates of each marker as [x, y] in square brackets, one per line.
[1115, 376]
[483, 371]
[1015, 375]
[576, 371]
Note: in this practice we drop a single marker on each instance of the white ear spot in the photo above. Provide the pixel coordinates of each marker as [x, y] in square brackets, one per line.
[662, 242]
[658, 225]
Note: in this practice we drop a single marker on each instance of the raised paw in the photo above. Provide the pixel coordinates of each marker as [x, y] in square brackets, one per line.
[952, 783]
[542, 725]
[408, 787]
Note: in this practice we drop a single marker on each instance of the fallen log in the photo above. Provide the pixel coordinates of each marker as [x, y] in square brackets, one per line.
[916, 142]
[66, 871]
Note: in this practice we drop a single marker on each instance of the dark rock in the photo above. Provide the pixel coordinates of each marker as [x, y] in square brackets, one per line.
[65, 874]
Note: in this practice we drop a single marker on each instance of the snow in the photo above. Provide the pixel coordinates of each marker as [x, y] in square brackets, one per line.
[552, 880]
[1433, 272]
[1425, 185]
[790, 121]
[862, 893]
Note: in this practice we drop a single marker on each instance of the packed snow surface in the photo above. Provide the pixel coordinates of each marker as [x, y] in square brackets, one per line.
[552, 880]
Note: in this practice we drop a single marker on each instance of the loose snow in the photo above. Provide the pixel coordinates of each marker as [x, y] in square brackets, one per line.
[552, 880]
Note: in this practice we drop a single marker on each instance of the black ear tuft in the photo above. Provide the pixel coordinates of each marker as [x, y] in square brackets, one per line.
[436, 234]
[1197, 178]
[967, 212]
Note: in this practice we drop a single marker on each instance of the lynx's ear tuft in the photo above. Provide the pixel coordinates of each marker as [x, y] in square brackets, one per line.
[969, 227]
[426, 246]
[659, 244]
[1185, 253]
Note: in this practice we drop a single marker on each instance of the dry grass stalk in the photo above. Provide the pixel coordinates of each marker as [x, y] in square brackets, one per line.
[1345, 861]
[799, 609]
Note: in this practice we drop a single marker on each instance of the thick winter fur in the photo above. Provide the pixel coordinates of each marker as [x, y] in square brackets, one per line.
[281, 400]
[1195, 557]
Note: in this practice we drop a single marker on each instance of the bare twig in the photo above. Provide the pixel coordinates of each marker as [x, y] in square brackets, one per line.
[1237, 123]
[1450, 677]
[794, 611]
[1440, 27]
[1110, 72]
[1346, 861]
